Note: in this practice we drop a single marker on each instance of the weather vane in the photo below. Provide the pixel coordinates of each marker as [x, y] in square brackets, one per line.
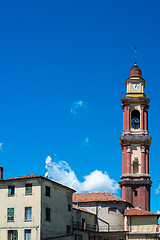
[135, 57]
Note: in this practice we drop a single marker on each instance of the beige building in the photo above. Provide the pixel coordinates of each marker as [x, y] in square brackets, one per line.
[35, 208]
[108, 208]
[141, 224]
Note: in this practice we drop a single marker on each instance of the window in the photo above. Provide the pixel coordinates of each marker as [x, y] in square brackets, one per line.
[27, 234]
[135, 167]
[48, 214]
[12, 235]
[11, 191]
[112, 210]
[69, 207]
[135, 193]
[28, 189]
[10, 214]
[135, 119]
[48, 191]
[78, 237]
[68, 229]
[83, 221]
[28, 213]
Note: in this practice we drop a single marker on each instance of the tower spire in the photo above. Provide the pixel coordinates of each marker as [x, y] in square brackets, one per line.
[135, 63]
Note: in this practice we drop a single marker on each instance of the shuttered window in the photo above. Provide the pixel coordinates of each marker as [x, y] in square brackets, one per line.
[28, 189]
[12, 235]
[11, 191]
[10, 214]
[27, 234]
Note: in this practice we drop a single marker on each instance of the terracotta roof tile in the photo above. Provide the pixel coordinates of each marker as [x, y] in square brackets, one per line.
[96, 197]
[139, 212]
[22, 177]
[81, 209]
[30, 176]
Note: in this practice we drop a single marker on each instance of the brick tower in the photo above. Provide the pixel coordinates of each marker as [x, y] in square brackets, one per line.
[135, 142]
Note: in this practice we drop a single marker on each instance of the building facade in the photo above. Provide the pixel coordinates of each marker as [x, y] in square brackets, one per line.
[108, 208]
[135, 142]
[141, 224]
[34, 207]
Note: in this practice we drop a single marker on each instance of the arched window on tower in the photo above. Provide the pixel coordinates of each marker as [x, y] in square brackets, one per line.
[135, 167]
[135, 119]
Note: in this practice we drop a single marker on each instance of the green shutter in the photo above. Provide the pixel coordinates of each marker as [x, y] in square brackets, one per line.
[9, 190]
[15, 235]
[28, 189]
[10, 214]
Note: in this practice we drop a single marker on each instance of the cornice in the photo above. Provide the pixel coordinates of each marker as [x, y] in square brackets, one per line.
[132, 139]
[135, 100]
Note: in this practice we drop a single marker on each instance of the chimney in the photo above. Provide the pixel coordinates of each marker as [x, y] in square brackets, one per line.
[1, 173]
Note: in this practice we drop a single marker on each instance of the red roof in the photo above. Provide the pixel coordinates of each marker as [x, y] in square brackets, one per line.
[139, 212]
[96, 197]
[23, 177]
[81, 209]
[135, 71]
[31, 176]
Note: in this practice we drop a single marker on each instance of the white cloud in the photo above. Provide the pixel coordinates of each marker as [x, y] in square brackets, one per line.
[1, 148]
[96, 181]
[158, 212]
[48, 161]
[78, 107]
[85, 142]
[157, 190]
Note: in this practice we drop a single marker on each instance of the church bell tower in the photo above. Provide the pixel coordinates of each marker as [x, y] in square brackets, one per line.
[135, 142]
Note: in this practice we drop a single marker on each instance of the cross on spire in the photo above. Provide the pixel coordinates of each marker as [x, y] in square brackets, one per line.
[135, 63]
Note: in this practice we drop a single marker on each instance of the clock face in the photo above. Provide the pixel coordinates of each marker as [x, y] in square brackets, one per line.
[135, 86]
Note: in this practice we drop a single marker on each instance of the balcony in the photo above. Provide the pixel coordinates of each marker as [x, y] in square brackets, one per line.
[95, 228]
[112, 228]
[85, 226]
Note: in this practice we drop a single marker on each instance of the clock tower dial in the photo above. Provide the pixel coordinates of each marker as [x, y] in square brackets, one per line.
[135, 86]
[135, 142]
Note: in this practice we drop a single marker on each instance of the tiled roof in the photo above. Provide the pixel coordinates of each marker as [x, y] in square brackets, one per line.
[139, 212]
[22, 177]
[96, 197]
[81, 209]
[31, 176]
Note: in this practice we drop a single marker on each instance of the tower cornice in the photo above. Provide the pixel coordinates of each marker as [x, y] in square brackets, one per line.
[135, 100]
[132, 182]
[137, 139]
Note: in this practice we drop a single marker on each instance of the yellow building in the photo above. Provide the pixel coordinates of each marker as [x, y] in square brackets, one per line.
[33, 207]
[141, 224]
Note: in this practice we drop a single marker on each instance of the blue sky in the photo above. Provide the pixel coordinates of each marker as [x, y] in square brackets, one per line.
[56, 54]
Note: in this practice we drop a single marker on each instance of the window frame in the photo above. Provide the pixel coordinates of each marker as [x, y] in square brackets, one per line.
[48, 214]
[12, 232]
[112, 210]
[25, 232]
[10, 214]
[11, 190]
[48, 191]
[68, 229]
[69, 207]
[28, 189]
[26, 212]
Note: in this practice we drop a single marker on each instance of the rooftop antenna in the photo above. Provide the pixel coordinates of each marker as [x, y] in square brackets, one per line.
[135, 56]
